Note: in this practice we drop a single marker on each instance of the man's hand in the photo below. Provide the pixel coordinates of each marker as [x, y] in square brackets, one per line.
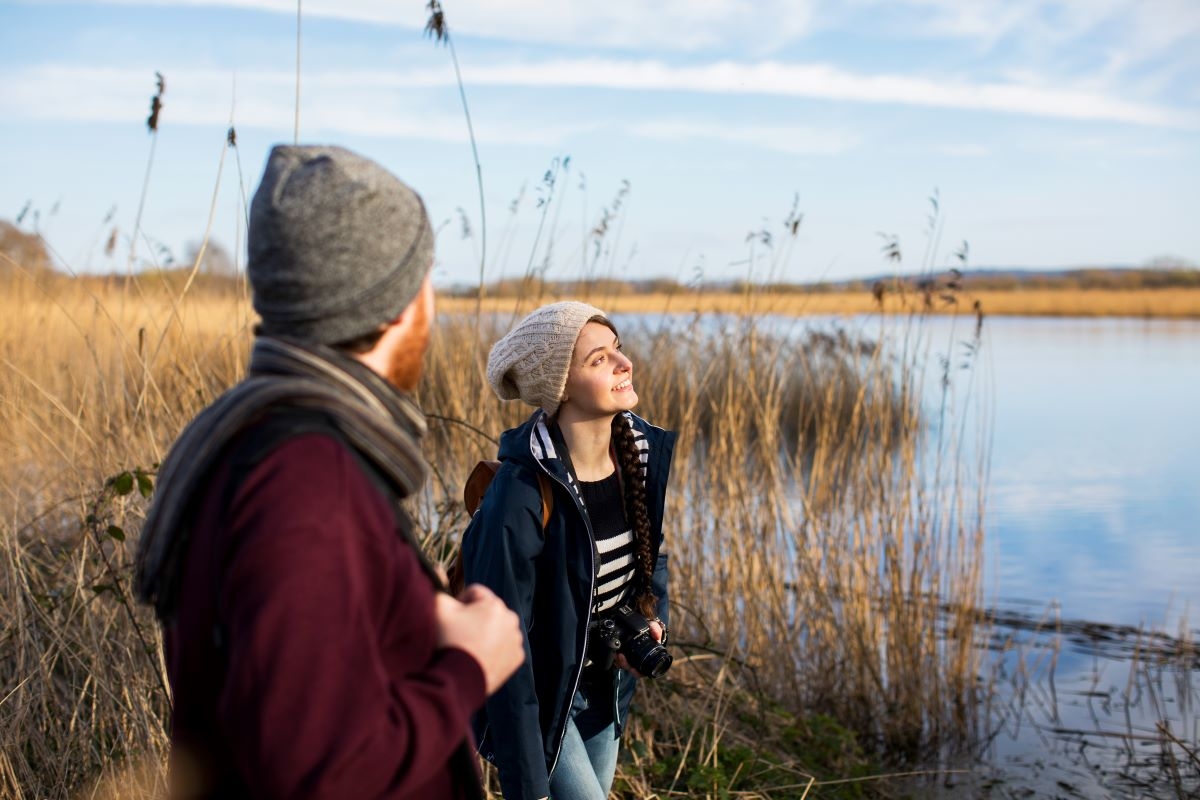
[479, 623]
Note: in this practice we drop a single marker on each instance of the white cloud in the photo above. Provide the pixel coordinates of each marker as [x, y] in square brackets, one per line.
[348, 103]
[1129, 32]
[1062, 58]
[823, 81]
[673, 25]
[374, 101]
[684, 25]
[1132, 31]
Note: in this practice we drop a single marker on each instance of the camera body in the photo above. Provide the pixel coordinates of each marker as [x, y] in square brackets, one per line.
[624, 630]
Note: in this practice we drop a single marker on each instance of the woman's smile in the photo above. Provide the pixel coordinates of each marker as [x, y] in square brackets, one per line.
[600, 379]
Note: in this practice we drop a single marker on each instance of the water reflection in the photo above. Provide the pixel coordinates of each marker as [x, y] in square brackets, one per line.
[1094, 491]
[1096, 462]
[1093, 511]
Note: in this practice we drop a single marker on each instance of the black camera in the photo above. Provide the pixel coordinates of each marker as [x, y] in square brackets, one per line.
[626, 631]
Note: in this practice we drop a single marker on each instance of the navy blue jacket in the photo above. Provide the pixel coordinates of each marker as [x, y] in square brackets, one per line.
[548, 578]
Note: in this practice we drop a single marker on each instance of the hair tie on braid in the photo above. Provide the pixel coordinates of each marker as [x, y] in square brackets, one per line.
[628, 459]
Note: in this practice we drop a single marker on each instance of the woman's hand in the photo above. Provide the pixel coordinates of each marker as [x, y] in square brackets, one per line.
[656, 630]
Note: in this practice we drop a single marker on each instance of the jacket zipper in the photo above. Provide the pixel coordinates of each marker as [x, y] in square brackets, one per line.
[587, 624]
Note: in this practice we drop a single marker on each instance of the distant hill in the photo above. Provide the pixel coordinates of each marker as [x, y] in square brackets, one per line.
[1167, 276]
[1179, 275]
[21, 251]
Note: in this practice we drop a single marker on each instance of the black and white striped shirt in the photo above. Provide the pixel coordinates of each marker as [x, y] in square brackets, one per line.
[614, 540]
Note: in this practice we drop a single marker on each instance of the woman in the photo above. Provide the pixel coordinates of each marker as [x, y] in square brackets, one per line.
[554, 728]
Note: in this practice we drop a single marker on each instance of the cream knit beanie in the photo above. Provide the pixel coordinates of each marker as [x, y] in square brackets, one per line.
[532, 360]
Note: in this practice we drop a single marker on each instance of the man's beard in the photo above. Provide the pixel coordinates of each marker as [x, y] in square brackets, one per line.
[408, 360]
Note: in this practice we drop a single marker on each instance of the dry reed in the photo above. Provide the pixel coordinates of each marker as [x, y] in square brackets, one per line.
[811, 554]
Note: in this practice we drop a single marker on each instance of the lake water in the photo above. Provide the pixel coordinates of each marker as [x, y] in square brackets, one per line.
[1093, 516]
[1093, 512]
[1094, 497]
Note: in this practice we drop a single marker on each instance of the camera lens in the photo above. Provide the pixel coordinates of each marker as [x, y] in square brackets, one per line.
[656, 662]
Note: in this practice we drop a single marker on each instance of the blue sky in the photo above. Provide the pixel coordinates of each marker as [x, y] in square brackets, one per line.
[1056, 134]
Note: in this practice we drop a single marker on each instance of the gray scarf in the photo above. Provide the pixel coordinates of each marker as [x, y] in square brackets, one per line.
[381, 423]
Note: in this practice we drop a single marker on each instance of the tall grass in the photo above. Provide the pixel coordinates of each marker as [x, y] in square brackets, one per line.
[812, 555]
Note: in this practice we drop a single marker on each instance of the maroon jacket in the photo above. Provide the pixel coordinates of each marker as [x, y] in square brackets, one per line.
[327, 681]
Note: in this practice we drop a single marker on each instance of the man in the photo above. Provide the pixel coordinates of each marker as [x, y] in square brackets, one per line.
[310, 652]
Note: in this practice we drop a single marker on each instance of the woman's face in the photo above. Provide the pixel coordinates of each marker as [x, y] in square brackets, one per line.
[600, 381]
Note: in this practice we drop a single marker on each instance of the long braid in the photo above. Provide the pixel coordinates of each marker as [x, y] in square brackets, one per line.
[636, 510]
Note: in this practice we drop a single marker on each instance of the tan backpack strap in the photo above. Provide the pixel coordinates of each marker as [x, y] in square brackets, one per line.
[473, 490]
[547, 498]
[481, 477]
[477, 483]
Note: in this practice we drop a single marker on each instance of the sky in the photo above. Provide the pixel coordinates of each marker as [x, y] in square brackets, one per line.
[628, 139]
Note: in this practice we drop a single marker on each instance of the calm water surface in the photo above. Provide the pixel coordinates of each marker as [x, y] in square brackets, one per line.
[1093, 512]
[1093, 516]
[1094, 497]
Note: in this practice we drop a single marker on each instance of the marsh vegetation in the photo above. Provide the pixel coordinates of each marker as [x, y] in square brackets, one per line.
[812, 557]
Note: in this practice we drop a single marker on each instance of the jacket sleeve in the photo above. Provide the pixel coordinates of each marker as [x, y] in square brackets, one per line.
[663, 449]
[500, 549]
[660, 584]
[335, 685]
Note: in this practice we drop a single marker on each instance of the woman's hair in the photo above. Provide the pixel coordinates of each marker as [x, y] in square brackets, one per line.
[606, 322]
[636, 511]
[630, 464]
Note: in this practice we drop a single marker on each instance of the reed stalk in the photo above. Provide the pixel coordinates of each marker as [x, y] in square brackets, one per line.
[807, 575]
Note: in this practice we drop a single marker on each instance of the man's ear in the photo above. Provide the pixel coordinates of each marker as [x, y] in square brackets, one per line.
[422, 301]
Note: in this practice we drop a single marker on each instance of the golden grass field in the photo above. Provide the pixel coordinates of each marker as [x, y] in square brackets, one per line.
[807, 589]
[817, 561]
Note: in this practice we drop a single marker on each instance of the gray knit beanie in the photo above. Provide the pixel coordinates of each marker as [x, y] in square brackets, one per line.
[532, 360]
[338, 245]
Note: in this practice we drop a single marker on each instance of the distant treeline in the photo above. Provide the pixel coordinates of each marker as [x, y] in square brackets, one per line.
[218, 270]
[27, 251]
[979, 280]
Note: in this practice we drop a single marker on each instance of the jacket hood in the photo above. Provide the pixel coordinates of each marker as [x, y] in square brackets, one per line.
[531, 442]
[537, 444]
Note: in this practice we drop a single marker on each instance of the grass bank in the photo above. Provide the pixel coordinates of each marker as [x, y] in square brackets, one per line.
[1174, 303]
[815, 535]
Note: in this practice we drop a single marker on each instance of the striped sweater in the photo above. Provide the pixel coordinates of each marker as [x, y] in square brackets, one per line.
[614, 540]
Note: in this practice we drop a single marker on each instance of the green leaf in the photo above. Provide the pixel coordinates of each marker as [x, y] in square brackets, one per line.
[101, 588]
[123, 483]
[116, 533]
[145, 484]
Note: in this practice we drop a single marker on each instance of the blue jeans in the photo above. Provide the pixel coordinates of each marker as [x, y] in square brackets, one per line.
[586, 766]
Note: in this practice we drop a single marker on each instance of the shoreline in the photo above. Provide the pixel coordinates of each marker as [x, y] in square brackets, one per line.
[1132, 303]
[1177, 303]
